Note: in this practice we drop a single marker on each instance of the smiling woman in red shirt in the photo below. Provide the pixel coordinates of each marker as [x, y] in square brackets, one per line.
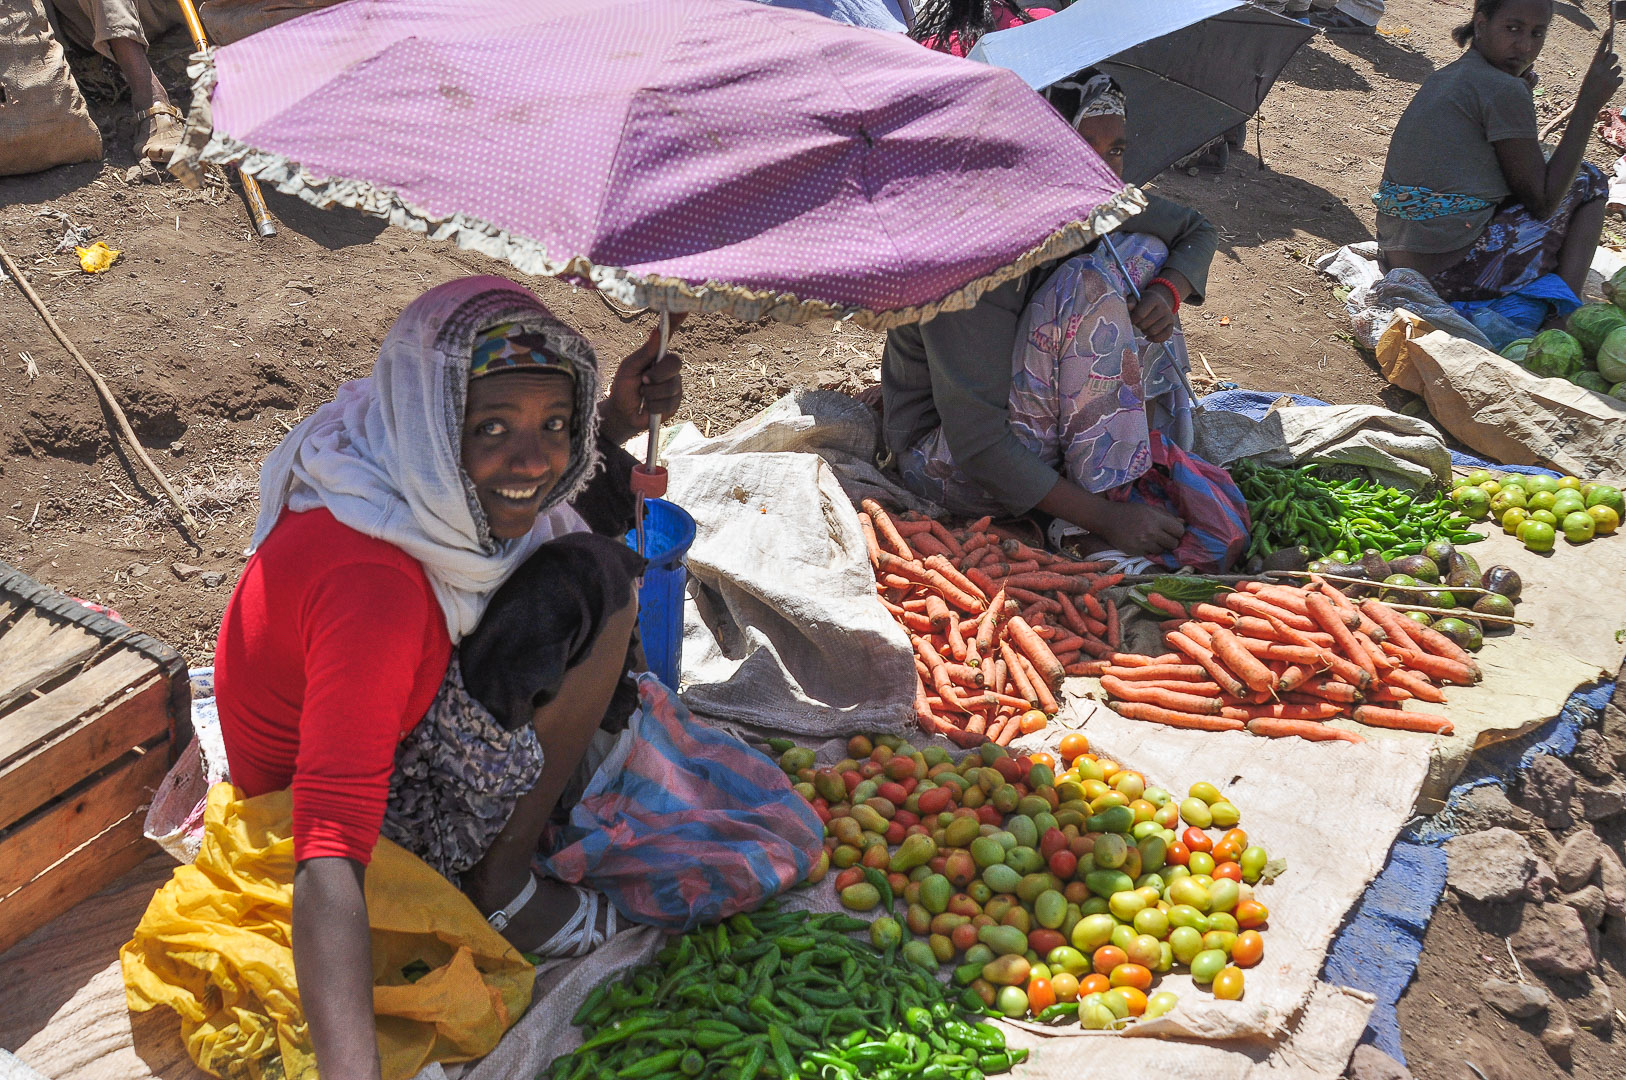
[429, 636]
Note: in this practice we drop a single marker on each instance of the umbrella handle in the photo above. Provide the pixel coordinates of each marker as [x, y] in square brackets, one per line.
[649, 479]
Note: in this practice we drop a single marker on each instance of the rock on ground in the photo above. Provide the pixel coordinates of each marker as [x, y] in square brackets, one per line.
[1493, 865]
[1370, 1063]
[1515, 999]
[1602, 802]
[1553, 940]
[1548, 788]
[1595, 1010]
[1579, 859]
[1588, 903]
[1488, 807]
[1591, 755]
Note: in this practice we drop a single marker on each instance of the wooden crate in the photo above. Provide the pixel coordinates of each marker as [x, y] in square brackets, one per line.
[92, 714]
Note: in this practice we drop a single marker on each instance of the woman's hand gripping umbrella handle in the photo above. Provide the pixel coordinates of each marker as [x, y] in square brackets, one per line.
[649, 479]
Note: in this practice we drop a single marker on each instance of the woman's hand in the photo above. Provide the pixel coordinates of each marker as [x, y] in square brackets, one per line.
[1154, 315]
[1601, 81]
[641, 387]
[1139, 529]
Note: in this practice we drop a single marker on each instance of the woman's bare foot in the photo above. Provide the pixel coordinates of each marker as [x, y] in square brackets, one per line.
[545, 914]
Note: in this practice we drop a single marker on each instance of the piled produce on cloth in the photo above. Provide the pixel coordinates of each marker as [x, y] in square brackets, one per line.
[995, 625]
[1592, 354]
[1279, 660]
[1056, 896]
[1297, 508]
[780, 994]
[1536, 508]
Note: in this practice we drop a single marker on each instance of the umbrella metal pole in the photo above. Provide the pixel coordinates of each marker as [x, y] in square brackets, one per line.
[650, 479]
[1185, 378]
[258, 212]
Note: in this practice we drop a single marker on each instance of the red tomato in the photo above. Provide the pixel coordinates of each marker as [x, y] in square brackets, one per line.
[1177, 854]
[1196, 840]
[1072, 745]
[1093, 984]
[1040, 995]
[1131, 975]
[1250, 914]
[1228, 870]
[1248, 949]
[1105, 959]
[1048, 762]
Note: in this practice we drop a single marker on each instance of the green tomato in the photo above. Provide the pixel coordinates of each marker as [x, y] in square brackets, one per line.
[1160, 1004]
[1253, 861]
[1537, 536]
[1208, 963]
[1539, 482]
[1186, 943]
[1226, 815]
[1579, 527]
[1605, 495]
[1126, 905]
[1066, 958]
[1223, 895]
[1152, 921]
[1092, 932]
[1200, 863]
[1186, 915]
[1564, 506]
[1094, 1014]
[1478, 476]
[1012, 1002]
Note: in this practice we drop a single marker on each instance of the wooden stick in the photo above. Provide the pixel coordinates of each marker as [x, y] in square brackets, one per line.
[102, 389]
[1473, 590]
[1460, 613]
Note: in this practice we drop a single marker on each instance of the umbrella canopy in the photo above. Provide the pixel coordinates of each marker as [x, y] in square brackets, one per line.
[692, 155]
[1191, 69]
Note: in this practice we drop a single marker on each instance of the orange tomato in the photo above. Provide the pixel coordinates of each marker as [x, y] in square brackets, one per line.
[1110, 768]
[1250, 914]
[1237, 837]
[1093, 984]
[1106, 958]
[1033, 720]
[1044, 759]
[1131, 975]
[1073, 744]
[1133, 997]
[1177, 854]
[1227, 870]
[1064, 985]
[1248, 949]
[1226, 851]
[1228, 984]
[1041, 995]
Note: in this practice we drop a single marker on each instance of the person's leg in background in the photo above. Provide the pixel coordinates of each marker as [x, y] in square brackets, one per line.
[119, 30]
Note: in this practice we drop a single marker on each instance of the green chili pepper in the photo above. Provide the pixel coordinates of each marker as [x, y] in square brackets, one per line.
[781, 1052]
[649, 1066]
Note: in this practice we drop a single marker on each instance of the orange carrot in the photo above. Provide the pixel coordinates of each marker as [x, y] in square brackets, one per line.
[1103, 583]
[956, 642]
[1439, 668]
[1093, 608]
[979, 577]
[867, 526]
[1420, 687]
[1172, 608]
[1282, 710]
[1167, 699]
[1070, 616]
[1067, 642]
[1114, 634]
[937, 612]
[1031, 599]
[1003, 569]
[947, 569]
[1181, 672]
[1089, 668]
[1386, 693]
[945, 538]
[886, 529]
[1379, 658]
[1205, 658]
[991, 622]
[972, 657]
[1431, 640]
[938, 669]
[1097, 648]
[1248, 604]
[954, 594]
[1014, 549]
[1132, 660]
[1179, 686]
[1373, 716]
[1046, 581]
[1047, 700]
[1241, 662]
[1340, 668]
[1197, 632]
[1017, 674]
[1137, 710]
[1392, 623]
[1064, 566]
[966, 676]
[1323, 612]
[1033, 647]
[920, 624]
[1215, 614]
[980, 525]
[1259, 627]
[926, 545]
[997, 681]
[1278, 728]
[1332, 690]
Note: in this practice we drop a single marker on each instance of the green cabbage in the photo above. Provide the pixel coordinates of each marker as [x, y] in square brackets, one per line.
[1615, 288]
[1618, 391]
[1554, 354]
[1515, 350]
[1592, 323]
[1591, 380]
[1612, 357]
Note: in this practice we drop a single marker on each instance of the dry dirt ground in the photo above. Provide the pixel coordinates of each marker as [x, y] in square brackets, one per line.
[217, 342]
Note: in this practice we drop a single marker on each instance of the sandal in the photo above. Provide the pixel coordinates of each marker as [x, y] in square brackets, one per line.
[158, 133]
[579, 935]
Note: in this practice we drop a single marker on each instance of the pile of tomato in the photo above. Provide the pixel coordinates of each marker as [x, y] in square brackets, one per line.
[1056, 891]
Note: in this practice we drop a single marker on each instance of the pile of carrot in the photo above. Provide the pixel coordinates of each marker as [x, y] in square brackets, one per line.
[996, 625]
[1279, 660]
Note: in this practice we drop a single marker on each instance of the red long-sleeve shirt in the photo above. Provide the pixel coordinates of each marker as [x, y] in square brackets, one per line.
[331, 649]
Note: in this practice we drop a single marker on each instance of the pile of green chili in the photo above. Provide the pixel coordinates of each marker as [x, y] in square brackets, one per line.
[1297, 506]
[781, 994]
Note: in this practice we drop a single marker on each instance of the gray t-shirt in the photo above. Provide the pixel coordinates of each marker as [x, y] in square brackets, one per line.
[1443, 142]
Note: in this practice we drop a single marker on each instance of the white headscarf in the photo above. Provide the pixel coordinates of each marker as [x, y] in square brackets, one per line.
[385, 456]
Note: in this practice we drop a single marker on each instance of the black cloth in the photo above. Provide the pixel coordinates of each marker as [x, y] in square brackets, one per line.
[543, 620]
[607, 504]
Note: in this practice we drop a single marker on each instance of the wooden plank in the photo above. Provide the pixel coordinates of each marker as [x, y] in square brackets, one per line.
[135, 720]
[45, 718]
[81, 875]
[37, 645]
[38, 842]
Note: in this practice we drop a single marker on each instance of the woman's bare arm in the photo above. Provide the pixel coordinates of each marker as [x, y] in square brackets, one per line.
[1540, 183]
[333, 966]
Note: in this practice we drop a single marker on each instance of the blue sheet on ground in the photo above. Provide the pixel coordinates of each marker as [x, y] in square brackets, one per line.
[1378, 948]
[1256, 403]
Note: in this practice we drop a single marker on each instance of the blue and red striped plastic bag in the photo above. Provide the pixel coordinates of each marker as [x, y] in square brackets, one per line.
[1203, 496]
[684, 824]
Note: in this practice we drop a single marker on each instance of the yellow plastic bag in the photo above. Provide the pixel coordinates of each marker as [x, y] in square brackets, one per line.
[97, 257]
[214, 946]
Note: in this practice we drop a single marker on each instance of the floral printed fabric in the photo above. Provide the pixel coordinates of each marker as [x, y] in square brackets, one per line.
[1087, 390]
[1412, 203]
[458, 774]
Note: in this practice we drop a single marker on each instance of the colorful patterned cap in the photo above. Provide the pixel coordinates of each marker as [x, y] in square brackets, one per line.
[510, 347]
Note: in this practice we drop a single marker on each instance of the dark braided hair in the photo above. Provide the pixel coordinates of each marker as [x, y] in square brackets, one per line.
[968, 19]
[1464, 34]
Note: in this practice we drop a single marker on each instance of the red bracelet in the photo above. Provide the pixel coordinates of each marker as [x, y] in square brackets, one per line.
[1173, 292]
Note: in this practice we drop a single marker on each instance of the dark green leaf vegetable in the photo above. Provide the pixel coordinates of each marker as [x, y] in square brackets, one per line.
[1591, 380]
[1182, 588]
[1553, 354]
[1515, 350]
[1591, 324]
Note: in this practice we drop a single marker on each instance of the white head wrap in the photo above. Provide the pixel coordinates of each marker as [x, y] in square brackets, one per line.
[385, 455]
[1098, 95]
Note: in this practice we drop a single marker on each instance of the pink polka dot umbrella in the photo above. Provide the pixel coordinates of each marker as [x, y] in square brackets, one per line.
[686, 155]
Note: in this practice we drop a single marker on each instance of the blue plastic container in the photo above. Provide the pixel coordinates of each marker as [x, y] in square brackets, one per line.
[668, 532]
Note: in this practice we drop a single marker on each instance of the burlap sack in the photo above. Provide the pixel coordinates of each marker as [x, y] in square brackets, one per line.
[227, 21]
[1502, 411]
[43, 119]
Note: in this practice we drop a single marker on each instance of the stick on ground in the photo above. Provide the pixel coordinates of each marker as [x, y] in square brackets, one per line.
[103, 390]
